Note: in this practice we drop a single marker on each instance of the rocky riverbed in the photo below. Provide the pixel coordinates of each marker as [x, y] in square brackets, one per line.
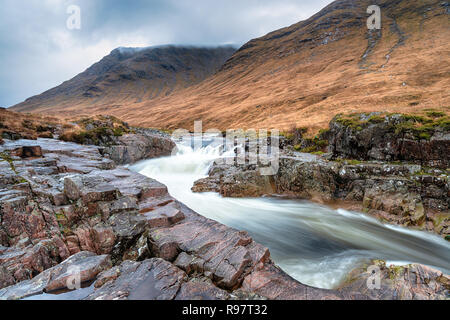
[72, 211]
[383, 166]
[66, 207]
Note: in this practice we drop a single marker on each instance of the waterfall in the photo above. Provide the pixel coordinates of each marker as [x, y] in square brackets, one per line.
[315, 244]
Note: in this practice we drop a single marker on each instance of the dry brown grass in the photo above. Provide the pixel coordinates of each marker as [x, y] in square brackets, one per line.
[278, 81]
[28, 126]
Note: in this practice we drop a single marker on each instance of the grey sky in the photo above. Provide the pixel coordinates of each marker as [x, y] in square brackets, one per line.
[38, 51]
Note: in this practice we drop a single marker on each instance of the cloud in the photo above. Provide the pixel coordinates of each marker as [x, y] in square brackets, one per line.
[39, 51]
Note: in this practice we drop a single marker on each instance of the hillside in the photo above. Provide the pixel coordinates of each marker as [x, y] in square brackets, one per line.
[131, 75]
[301, 75]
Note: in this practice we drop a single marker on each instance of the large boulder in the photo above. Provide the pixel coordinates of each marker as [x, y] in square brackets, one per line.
[131, 148]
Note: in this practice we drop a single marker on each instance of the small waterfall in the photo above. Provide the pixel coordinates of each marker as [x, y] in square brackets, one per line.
[314, 244]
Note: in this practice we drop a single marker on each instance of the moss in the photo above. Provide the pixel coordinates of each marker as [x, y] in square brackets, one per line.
[444, 123]
[22, 180]
[318, 153]
[418, 129]
[118, 132]
[395, 272]
[425, 136]
[376, 119]
[309, 149]
[420, 173]
[353, 162]
[62, 219]
[323, 131]
[287, 135]
[416, 118]
[297, 147]
[447, 238]
[352, 123]
[435, 114]
[7, 157]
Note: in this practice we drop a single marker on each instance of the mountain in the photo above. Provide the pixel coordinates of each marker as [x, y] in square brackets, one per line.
[131, 75]
[301, 75]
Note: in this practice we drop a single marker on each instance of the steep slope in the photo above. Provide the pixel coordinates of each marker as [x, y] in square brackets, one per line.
[131, 75]
[305, 74]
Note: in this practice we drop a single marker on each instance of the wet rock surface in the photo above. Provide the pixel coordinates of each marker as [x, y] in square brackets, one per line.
[412, 282]
[64, 207]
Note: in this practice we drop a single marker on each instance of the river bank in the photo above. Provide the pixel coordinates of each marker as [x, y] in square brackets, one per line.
[66, 207]
[364, 165]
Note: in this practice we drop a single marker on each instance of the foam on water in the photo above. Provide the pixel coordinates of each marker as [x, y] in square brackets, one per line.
[314, 244]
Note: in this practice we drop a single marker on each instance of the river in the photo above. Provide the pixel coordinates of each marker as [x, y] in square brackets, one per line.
[314, 244]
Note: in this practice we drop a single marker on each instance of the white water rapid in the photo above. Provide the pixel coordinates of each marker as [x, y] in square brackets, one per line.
[315, 244]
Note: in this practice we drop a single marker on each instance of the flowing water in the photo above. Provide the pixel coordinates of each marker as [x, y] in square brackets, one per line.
[315, 244]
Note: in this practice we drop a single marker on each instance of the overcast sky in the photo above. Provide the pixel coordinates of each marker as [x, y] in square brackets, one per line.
[38, 51]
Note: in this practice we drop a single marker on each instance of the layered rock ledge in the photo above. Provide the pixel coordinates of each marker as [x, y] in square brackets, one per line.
[65, 207]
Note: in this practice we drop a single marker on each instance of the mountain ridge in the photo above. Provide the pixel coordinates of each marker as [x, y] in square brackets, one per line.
[304, 74]
[167, 68]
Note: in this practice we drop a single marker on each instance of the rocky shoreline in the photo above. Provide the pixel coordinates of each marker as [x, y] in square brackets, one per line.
[412, 189]
[66, 207]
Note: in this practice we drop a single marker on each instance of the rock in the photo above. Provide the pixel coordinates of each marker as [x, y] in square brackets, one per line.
[126, 225]
[73, 186]
[190, 264]
[412, 282]
[390, 138]
[153, 279]
[108, 275]
[229, 255]
[201, 289]
[87, 269]
[86, 265]
[403, 204]
[138, 250]
[131, 148]
[164, 216]
[27, 152]
[131, 183]
[269, 281]
[307, 180]
[238, 182]
[30, 260]
[396, 193]
[123, 204]
[6, 279]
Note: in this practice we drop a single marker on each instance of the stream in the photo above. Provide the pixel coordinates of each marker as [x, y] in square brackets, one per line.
[313, 243]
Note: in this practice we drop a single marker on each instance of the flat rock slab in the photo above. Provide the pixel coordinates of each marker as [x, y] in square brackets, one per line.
[164, 216]
[157, 279]
[153, 279]
[271, 282]
[84, 265]
[131, 184]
